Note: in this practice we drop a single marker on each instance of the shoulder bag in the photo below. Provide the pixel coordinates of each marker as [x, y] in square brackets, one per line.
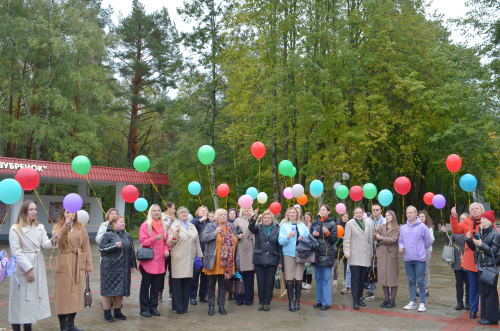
[448, 254]
[489, 275]
[145, 253]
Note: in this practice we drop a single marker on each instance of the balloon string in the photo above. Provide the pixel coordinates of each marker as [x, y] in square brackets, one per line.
[258, 185]
[442, 220]
[454, 190]
[470, 224]
[5, 217]
[96, 196]
[226, 201]
[157, 190]
[210, 184]
[403, 210]
[201, 204]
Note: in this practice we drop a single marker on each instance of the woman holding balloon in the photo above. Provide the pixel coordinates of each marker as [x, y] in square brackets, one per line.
[246, 246]
[308, 270]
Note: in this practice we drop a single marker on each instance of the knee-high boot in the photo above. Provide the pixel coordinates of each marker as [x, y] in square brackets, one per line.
[63, 322]
[298, 291]
[71, 323]
[290, 288]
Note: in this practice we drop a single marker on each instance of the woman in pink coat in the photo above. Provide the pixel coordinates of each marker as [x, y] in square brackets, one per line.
[153, 233]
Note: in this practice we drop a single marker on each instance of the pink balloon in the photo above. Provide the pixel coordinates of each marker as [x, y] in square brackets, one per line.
[245, 201]
[340, 208]
[287, 193]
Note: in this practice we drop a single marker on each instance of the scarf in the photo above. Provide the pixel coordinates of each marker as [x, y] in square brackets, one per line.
[360, 223]
[269, 229]
[156, 225]
[227, 252]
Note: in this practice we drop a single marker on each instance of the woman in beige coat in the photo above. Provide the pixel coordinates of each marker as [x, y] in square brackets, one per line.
[387, 236]
[73, 262]
[28, 299]
[184, 246]
[358, 249]
[246, 244]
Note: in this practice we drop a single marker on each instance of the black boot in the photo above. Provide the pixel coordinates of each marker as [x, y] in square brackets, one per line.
[290, 288]
[118, 314]
[222, 310]
[71, 323]
[63, 322]
[211, 310]
[27, 327]
[460, 305]
[107, 316]
[298, 291]
[17, 327]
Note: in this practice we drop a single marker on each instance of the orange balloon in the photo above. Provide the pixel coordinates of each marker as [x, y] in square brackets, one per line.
[302, 200]
[340, 231]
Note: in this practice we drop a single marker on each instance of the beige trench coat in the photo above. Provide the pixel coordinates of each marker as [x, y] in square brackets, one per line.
[183, 250]
[28, 303]
[358, 243]
[387, 257]
[72, 262]
[246, 245]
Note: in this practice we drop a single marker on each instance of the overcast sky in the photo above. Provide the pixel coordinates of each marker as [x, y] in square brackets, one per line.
[450, 9]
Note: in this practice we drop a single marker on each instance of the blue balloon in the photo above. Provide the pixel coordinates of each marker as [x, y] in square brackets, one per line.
[385, 197]
[468, 183]
[252, 191]
[10, 191]
[316, 187]
[141, 204]
[194, 188]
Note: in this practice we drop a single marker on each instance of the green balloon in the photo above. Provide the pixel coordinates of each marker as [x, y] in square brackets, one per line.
[369, 191]
[342, 191]
[81, 165]
[141, 163]
[285, 167]
[206, 154]
[293, 172]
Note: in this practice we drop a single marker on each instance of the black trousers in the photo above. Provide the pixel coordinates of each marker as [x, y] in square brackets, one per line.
[358, 277]
[265, 282]
[168, 266]
[462, 278]
[305, 278]
[180, 293]
[489, 300]
[148, 295]
[221, 295]
[249, 281]
[200, 277]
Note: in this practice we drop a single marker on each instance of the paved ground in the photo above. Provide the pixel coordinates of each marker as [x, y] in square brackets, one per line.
[440, 314]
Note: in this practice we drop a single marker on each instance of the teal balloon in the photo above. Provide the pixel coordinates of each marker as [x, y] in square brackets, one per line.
[316, 187]
[285, 167]
[293, 173]
[10, 191]
[206, 154]
[141, 204]
[194, 188]
[468, 183]
[369, 191]
[342, 191]
[385, 197]
[252, 191]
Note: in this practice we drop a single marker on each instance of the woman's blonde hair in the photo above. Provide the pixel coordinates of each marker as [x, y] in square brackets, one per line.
[477, 204]
[267, 212]
[22, 218]
[198, 210]
[219, 212]
[109, 212]
[251, 212]
[149, 221]
[185, 209]
[286, 219]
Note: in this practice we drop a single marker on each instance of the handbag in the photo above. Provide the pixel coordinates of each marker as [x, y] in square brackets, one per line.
[198, 264]
[371, 274]
[145, 253]
[277, 279]
[236, 286]
[310, 259]
[489, 276]
[88, 294]
[448, 254]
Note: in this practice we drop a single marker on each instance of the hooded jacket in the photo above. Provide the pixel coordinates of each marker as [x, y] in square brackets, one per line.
[415, 239]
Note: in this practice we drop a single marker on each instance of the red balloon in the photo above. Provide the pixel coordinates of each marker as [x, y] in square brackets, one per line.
[275, 208]
[340, 231]
[258, 149]
[130, 193]
[428, 198]
[402, 185]
[356, 193]
[28, 178]
[223, 190]
[453, 162]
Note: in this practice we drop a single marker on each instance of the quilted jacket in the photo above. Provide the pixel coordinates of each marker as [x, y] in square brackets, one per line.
[116, 263]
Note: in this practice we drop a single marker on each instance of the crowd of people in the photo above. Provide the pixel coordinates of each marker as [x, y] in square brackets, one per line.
[228, 248]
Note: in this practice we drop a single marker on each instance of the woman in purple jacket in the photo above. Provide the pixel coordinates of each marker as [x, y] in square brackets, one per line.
[414, 240]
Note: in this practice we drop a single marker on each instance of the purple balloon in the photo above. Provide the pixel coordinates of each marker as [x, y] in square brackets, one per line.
[73, 202]
[439, 201]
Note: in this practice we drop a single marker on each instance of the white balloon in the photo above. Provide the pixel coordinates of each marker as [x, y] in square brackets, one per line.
[337, 184]
[262, 197]
[297, 190]
[345, 176]
[83, 217]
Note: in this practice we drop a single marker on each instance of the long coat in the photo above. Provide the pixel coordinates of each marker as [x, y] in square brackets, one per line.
[246, 244]
[358, 243]
[183, 249]
[28, 303]
[73, 260]
[387, 257]
[116, 263]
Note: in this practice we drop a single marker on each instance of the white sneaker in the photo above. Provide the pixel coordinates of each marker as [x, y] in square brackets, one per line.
[334, 282]
[421, 308]
[411, 305]
[308, 287]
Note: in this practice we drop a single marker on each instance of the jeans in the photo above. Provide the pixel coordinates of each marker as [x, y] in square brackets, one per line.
[265, 282]
[473, 291]
[415, 270]
[323, 277]
[348, 277]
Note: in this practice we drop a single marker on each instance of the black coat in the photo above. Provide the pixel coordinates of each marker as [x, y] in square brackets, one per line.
[200, 226]
[116, 263]
[326, 254]
[488, 250]
[267, 250]
[340, 241]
